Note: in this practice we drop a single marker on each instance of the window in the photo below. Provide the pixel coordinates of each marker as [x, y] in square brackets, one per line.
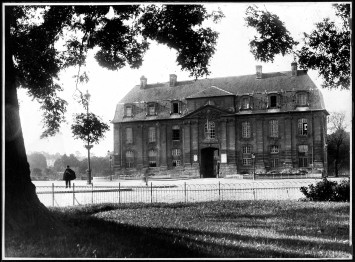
[210, 131]
[151, 134]
[175, 108]
[129, 135]
[129, 111]
[274, 128]
[151, 109]
[247, 149]
[274, 149]
[302, 162]
[303, 148]
[129, 159]
[302, 126]
[176, 133]
[152, 157]
[274, 162]
[246, 129]
[247, 161]
[176, 162]
[176, 152]
[246, 103]
[302, 99]
[273, 101]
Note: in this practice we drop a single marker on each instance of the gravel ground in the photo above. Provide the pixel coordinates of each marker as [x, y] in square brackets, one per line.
[169, 191]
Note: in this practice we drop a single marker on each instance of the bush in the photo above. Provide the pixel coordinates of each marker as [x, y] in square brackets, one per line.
[326, 190]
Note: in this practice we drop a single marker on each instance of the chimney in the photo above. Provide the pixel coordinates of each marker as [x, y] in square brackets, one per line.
[294, 68]
[172, 79]
[259, 72]
[143, 82]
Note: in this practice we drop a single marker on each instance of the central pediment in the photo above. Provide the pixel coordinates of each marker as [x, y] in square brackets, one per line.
[207, 112]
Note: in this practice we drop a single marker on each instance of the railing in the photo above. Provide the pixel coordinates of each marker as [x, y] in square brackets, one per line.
[155, 193]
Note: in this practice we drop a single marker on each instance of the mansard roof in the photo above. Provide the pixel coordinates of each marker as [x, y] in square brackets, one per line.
[212, 91]
[162, 93]
[236, 85]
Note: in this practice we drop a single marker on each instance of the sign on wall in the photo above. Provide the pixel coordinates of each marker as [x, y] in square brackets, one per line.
[195, 158]
[223, 158]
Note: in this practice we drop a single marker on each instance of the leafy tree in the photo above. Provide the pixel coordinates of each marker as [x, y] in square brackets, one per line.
[37, 160]
[61, 163]
[88, 127]
[37, 172]
[100, 166]
[41, 41]
[338, 142]
[326, 48]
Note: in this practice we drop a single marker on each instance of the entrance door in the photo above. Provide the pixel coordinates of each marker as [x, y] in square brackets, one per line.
[208, 162]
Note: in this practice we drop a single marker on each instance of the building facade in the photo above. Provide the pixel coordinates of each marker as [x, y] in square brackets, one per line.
[221, 126]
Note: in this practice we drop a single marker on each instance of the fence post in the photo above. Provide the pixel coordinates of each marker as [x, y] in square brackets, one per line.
[73, 194]
[254, 193]
[52, 194]
[119, 193]
[219, 190]
[185, 192]
[92, 193]
[151, 192]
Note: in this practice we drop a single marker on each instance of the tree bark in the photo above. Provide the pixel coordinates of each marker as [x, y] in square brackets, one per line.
[23, 210]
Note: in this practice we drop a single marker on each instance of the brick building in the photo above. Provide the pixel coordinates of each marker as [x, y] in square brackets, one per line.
[221, 126]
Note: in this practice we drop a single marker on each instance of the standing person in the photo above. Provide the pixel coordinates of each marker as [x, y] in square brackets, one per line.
[68, 175]
[146, 175]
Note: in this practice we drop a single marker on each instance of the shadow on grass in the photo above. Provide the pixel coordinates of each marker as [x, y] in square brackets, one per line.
[91, 237]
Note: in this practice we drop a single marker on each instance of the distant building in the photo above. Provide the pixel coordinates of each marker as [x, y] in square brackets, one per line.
[214, 127]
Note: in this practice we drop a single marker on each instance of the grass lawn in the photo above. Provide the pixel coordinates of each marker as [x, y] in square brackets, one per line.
[226, 229]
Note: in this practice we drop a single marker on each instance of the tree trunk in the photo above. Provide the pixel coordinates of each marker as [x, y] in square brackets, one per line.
[23, 210]
[336, 167]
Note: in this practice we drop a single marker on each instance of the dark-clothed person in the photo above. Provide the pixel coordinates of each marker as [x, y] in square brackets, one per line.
[68, 175]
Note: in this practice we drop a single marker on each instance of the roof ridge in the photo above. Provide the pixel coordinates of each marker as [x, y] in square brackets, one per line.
[222, 90]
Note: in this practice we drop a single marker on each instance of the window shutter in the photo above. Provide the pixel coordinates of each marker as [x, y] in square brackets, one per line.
[278, 100]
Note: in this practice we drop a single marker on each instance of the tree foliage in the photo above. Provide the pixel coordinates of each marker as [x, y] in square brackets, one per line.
[338, 143]
[37, 160]
[88, 127]
[327, 190]
[273, 38]
[48, 39]
[326, 49]
[42, 41]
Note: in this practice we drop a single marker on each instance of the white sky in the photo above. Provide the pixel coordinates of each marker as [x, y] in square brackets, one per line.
[232, 58]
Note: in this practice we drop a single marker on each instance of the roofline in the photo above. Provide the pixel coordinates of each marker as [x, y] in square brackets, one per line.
[226, 115]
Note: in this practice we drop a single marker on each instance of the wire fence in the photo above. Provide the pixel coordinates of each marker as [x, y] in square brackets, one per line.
[159, 193]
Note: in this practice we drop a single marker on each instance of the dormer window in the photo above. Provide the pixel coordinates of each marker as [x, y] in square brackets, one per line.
[245, 102]
[151, 109]
[128, 110]
[302, 99]
[175, 107]
[274, 101]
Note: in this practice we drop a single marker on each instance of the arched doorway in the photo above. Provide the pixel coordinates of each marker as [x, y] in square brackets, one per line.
[209, 157]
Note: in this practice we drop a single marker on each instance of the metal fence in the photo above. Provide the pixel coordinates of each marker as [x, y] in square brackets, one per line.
[159, 193]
